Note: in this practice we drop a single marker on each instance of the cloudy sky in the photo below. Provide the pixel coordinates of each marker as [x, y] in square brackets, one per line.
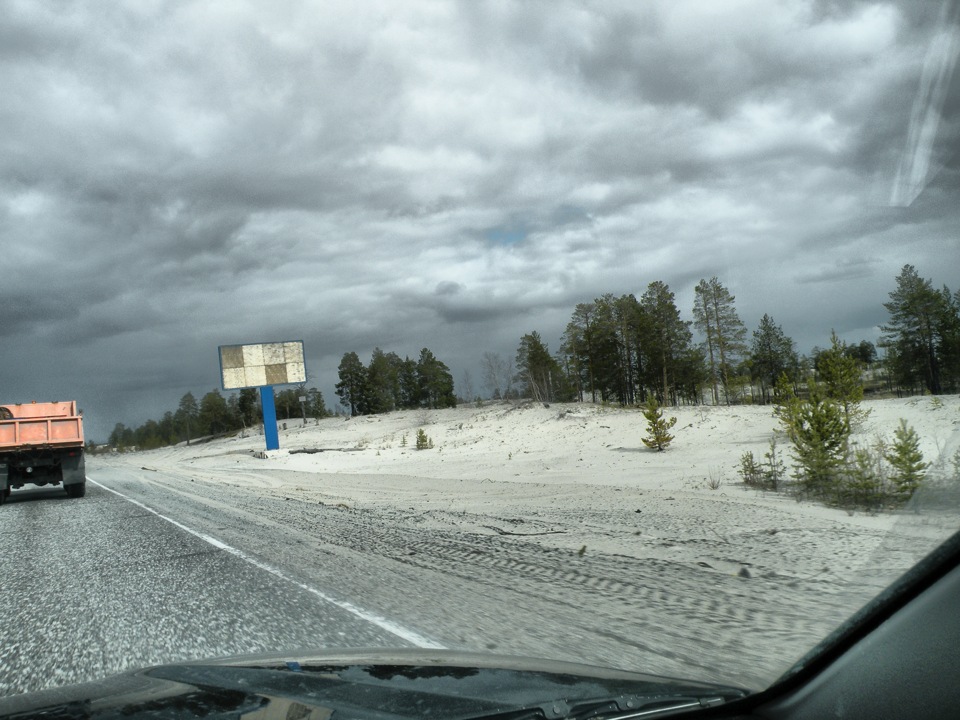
[175, 176]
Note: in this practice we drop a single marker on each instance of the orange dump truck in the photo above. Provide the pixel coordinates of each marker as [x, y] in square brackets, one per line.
[41, 444]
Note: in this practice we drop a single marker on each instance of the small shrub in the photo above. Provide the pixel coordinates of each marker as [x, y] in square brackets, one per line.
[715, 479]
[774, 472]
[766, 475]
[423, 441]
[906, 460]
[864, 482]
[819, 431]
[658, 428]
[750, 471]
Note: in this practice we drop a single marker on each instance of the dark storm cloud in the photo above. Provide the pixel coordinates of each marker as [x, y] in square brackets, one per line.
[740, 53]
[23, 314]
[447, 288]
[179, 175]
[843, 271]
[473, 313]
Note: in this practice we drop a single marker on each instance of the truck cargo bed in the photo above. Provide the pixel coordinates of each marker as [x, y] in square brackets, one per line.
[62, 432]
[40, 425]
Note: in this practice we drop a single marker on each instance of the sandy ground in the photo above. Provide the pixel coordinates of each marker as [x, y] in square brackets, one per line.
[519, 463]
[576, 482]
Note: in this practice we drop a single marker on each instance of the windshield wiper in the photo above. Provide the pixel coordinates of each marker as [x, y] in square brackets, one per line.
[623, 707]
[639, 707]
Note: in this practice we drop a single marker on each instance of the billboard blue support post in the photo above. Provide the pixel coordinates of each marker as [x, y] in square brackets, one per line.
[263, 365]
[269, 417]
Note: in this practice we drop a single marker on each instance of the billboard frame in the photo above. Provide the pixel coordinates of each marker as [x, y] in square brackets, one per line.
[250, 349]
[274, 373]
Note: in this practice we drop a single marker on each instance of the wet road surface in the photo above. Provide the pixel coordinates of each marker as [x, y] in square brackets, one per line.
[99, 585]
[156, 565]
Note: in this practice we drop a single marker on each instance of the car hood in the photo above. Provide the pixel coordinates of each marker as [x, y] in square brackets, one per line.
[368, 684]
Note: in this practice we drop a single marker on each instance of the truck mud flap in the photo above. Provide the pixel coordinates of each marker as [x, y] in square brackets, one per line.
[74, 470]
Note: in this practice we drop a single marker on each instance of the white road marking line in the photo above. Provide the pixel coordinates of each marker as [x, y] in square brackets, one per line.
[383, 623]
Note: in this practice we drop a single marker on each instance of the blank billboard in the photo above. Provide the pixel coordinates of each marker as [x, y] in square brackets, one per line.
[247, 366]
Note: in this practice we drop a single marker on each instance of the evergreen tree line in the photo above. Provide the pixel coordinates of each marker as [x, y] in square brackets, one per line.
[922, 338]
[215, 414]
[391, 383]
[618, 349]
[625, 350]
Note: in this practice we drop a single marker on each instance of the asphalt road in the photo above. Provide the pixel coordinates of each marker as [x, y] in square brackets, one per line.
[162, 565]
[102, 584]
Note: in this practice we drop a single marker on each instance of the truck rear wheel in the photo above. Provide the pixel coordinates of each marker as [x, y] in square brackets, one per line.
[77, 490]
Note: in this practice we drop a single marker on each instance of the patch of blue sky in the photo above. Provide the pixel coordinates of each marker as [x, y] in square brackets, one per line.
[506, 234]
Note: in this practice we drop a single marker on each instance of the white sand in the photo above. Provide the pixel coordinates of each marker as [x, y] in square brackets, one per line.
[563, 508]
[508, 463]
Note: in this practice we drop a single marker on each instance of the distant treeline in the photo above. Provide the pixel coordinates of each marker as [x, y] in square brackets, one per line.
[215, 414]
[620, 350]
[389, 383]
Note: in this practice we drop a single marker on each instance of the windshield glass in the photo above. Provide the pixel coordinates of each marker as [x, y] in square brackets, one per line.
[624, 334]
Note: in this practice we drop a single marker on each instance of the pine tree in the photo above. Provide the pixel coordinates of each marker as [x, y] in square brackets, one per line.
[906, 460]
[148, 436]
[916, 311]
[408, 386]
[352, 388]
[865, 480]
[435, 382]
[381, 383]
[665, 340]
[716, 317]
[287, 403]
[577, 349]
[774, 470]
[841, 375]
[658, 428]
[771, 354]
[819, 433]
[600, 349]
[187, 414]
[784, 396]
[168, 428]
[248, 406]
[423, 441]
[948, 340]
[316, 407]
[537, 371]
[750, 470]
[214, 416]
[116, 439]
